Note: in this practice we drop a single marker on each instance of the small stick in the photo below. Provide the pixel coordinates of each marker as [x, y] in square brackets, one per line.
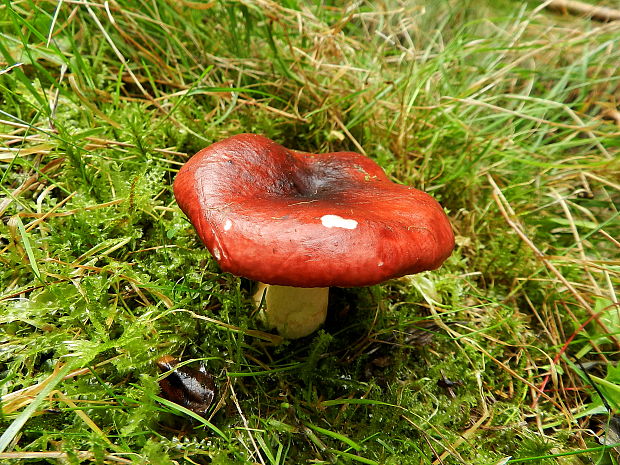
[574, 7]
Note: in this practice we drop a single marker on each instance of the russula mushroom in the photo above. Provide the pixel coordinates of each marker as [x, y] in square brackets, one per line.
[301, 222]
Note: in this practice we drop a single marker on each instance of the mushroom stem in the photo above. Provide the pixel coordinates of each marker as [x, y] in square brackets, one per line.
[294, 311]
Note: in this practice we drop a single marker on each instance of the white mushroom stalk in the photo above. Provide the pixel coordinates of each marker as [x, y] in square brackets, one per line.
[294, 311]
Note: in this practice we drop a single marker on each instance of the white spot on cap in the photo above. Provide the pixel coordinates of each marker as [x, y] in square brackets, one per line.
[227, 225]
[216, 253]
[335, 221]
[380, 264]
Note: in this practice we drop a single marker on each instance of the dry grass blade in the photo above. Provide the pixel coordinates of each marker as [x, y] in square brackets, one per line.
[61, 456]
[80, 413]
[580, 127]
[508, 215]
[465, 437]
[273, 338]
[30, 183]
[245, 424]
[117, 51]
[16, 400]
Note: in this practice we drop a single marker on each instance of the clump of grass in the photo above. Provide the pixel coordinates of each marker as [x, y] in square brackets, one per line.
[501, 112]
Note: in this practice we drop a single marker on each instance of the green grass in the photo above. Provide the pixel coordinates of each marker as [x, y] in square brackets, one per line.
[504, 113]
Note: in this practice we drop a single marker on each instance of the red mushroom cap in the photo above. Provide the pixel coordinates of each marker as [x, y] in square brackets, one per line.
[297, 219]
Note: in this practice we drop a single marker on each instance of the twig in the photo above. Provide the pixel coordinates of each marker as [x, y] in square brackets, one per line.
[574, 7]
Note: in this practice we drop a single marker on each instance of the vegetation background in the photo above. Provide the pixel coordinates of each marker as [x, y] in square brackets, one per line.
[506, 112]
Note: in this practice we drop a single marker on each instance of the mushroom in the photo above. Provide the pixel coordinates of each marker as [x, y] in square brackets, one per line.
[299, 223]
